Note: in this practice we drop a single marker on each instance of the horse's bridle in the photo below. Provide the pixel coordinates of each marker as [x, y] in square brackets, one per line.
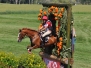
[20, 39]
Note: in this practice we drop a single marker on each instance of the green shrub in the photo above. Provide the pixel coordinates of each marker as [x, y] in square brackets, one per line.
[8, 60]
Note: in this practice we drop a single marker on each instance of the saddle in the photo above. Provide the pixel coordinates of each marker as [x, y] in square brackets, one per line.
[44, 39]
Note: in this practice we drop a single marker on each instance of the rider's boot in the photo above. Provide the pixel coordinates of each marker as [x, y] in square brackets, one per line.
[43, 41]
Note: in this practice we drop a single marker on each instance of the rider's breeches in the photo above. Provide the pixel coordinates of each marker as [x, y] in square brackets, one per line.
[46, 33]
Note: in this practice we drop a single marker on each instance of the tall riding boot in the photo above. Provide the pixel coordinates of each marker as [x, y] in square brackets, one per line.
[43, 42]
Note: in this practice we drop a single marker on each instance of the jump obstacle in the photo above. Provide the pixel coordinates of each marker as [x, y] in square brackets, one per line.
[61, 56]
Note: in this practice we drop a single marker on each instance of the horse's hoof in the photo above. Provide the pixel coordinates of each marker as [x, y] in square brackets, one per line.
[28, 47]
[29, 52]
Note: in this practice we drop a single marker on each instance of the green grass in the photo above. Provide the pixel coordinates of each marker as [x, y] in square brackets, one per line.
[82, 15]
[82, 48]
[19, 7]
[14, 17]
[81, 8]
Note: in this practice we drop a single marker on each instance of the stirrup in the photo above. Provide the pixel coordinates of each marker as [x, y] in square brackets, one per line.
[46, 39]
[41, 38]
[42, 44]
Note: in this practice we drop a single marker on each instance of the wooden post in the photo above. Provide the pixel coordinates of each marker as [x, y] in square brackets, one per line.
[68, 32]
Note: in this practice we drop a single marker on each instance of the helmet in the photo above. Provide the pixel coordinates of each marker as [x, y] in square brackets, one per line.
[45, 18]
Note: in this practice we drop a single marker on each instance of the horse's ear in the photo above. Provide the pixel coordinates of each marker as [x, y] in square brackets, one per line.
[19, 30]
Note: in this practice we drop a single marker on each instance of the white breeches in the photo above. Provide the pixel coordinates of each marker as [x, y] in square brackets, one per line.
[46, 33]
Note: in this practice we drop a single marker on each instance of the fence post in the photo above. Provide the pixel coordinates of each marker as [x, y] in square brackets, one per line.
[69, 8]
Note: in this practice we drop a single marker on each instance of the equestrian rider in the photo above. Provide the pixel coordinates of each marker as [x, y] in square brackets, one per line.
[47, 26]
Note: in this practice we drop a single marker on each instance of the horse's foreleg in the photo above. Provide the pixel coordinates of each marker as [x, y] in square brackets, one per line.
[34, 47]
[29, 48]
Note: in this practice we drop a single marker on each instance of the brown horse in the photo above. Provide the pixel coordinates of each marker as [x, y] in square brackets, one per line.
[34, 38]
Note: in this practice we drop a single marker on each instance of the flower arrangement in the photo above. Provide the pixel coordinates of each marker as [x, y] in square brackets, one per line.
[59, 45]
[60, 14]
[57, 11]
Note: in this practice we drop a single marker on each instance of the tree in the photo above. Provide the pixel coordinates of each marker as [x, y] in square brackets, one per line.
[16, 1]
[29, 1]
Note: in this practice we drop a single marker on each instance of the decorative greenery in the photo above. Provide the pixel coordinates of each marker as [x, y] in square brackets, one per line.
[60, 14]
[8, 60]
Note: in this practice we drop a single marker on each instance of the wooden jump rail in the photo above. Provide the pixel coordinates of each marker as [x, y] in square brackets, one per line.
[54, 58]
[57, 5]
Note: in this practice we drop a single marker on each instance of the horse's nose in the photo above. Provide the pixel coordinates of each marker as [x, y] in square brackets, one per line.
[18, 40]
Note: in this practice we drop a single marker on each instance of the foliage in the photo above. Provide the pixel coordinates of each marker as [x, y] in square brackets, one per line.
[60, 15]
[56, 11]
[26, 60]
[31, 61]
[8, 60]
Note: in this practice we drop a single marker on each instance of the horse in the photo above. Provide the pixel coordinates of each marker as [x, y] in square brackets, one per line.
[35, 39]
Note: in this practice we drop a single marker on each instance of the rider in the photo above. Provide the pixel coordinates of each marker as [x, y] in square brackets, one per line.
[47, 26]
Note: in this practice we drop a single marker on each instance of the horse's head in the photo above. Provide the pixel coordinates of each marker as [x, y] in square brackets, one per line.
[21, 35]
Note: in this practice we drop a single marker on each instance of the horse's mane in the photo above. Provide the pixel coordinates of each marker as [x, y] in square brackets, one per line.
[29, 29]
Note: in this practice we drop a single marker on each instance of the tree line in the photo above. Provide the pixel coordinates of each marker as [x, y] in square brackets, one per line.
[45, 1]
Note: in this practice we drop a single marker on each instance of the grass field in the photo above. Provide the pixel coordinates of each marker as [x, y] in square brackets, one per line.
[14, 17]
[82, 48]
[82, 56]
